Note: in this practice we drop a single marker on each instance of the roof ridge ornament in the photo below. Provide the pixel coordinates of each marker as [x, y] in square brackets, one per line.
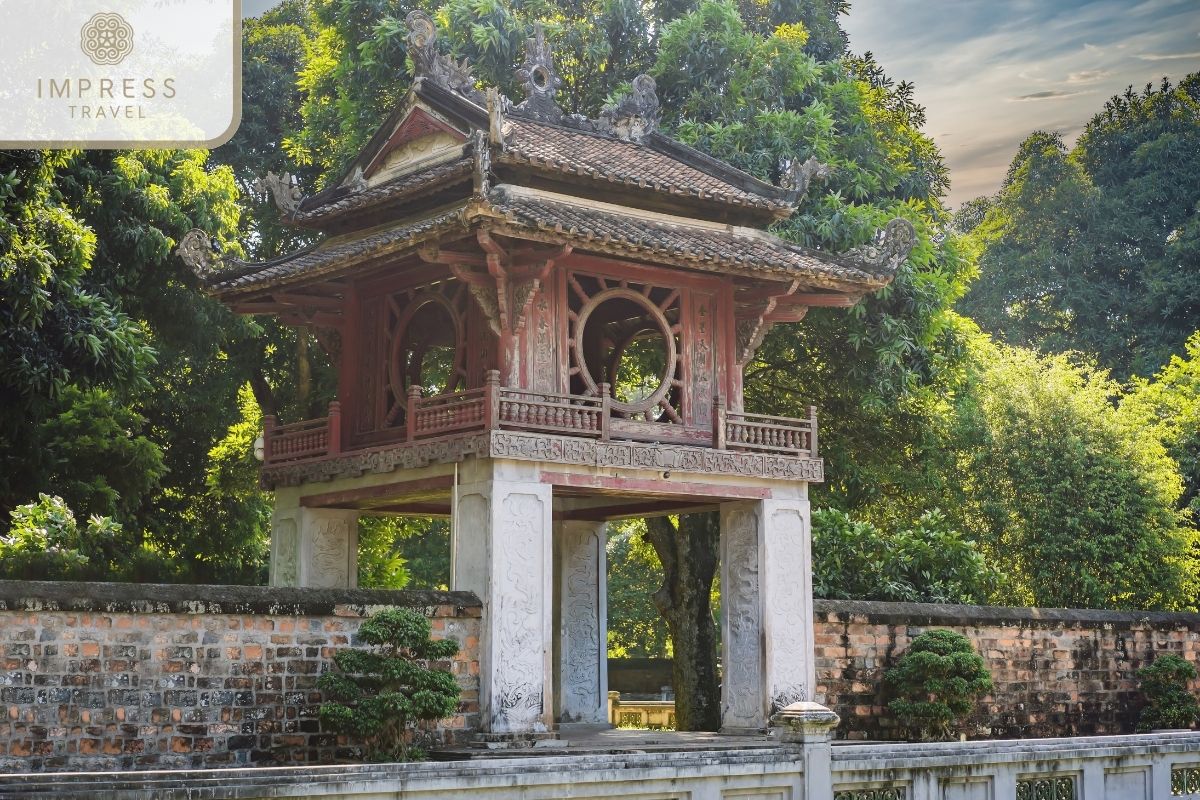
[636, 115]
[202, 255]
[284, 189]
[539, 80]
[798, 176]
[431, 65]
[888, 249]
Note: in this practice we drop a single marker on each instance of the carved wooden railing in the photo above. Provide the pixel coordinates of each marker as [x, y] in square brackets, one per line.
[446, 413]
[301, 440]
[736, 430]
[569, 414]
[492, 407]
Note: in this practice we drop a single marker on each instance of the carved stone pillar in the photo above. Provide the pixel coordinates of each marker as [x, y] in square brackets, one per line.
[766, 623]
[316, 547]
[503, 554]
[581, 657]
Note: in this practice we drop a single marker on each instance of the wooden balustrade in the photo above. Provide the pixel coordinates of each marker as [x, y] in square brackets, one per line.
[492, 407]
[767, 434]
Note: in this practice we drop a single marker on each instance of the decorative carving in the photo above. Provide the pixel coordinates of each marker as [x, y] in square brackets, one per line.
[636, 115]
[743, 707]
[875, 793]
[551, 449]
[539, 80]
[1055, 787]
[197, 251]
[581, 645]
[330, 560]
[799, 176]
[889, 248]
[749, 333]
[482, 156]
[489, 304]
[284, 189]
[519, 599]
[430, 64]
[287, 553]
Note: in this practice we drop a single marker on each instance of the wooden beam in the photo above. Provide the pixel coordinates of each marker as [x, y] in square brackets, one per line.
[308, 301]
[348, 498]
[656, 508]
[707, 493]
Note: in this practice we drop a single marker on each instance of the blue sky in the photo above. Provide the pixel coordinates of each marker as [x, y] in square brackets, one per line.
[989, 72]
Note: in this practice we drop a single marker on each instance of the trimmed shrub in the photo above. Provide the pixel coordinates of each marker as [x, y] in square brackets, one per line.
[379, 693]
[1169, 703]
[936, 684]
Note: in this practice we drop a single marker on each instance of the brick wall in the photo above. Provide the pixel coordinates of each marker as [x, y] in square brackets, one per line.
[117, 677]
[1056, 672]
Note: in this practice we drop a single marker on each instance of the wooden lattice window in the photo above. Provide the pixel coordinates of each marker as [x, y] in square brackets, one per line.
[627, 334]
[426, 344]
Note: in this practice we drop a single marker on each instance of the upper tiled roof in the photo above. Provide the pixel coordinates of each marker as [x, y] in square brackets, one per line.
[607, 158]
[406, 186]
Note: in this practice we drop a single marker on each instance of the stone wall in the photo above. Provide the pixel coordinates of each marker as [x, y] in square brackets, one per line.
[119, 676]
[1056, 672]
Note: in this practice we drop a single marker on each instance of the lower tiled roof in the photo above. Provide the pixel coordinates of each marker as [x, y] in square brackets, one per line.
[589, 228]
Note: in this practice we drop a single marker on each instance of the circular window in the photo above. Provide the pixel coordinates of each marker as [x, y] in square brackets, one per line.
[624, 340]
[425, 348]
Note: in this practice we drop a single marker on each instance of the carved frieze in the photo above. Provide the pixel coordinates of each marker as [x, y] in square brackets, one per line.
[550, 449]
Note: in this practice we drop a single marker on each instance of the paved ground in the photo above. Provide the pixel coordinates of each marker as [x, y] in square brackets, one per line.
[579, 740]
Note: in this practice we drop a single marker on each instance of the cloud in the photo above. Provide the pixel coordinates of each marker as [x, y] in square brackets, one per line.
[1088, 75]
[1049, 94]
[1167, 56]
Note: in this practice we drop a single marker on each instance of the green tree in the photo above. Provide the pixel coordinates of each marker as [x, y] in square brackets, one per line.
[378, 692]
[928, 563]
[1170, 403]
[635, 628]
[1097, 248]
[1074, 500]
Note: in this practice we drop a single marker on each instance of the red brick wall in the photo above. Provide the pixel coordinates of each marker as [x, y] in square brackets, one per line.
[112, 677]
[1056, 672]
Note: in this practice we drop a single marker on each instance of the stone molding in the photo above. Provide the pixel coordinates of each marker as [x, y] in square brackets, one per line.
[162, 598]
[881, 612]
[549, 449]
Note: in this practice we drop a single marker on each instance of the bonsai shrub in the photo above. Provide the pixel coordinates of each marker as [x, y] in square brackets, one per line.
[1164, 684]
[936, 684]
[380, 692]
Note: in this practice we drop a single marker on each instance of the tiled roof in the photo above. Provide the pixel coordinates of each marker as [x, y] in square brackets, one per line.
[606, 158]
[412, 185]
[330, 255]
[706, 247]
[591, 228]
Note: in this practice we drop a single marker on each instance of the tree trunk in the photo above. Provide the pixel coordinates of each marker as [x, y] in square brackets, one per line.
[689, 555]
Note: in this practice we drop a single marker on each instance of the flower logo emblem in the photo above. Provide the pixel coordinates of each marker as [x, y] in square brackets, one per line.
[106, 39]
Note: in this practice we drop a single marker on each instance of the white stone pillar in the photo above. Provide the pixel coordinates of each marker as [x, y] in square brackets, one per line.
[503, 554]
[767, 624]
[581, 658]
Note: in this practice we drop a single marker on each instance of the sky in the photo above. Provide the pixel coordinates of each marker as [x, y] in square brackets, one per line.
[990, 72]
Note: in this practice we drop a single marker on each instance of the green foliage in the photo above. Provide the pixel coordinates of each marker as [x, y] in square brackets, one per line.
[1072, 498]
[936, 684]
[929, 563]
[1170, 406]
[45, 542]
[635, 628]
[1097, 248]
[1169, 701]
[380, 691]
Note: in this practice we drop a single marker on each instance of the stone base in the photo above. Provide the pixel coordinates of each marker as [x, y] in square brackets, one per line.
[727, 730]
[516, 741]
